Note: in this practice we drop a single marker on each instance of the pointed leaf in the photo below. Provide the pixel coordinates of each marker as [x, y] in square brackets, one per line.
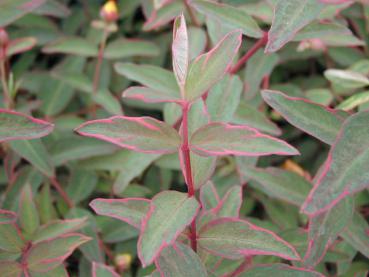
[124, 48]
[209, 68]
[233, 17]
[281, 184]
[150, 96]
[314, 119]
[356, 234]
[240, 141]
[10, 240]
[230, 204]
[7, 217]
[130, 210]
[180, 50]
[346, 79]
[290, 16]
[101, 270]
[11, 10]
[35, 152]
[16, 126]
[142, 134]
[324, 228]
[346, 169]
[151, 76]
[28, 214]
[72, 45]
[49, 254]
[233, 238]
[179, 260]
[57, 228]
[20, 45]
[354, 101]
[170, 212]
[279, 270]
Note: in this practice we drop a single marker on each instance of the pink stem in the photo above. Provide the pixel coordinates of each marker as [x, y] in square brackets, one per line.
[61, 192]
[260, 43]
[187, 167]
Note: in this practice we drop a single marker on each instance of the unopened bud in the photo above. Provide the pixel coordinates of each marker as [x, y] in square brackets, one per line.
[109, 12]
[123, 261]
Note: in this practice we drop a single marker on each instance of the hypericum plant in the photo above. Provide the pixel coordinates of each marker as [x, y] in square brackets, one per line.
[171, 219]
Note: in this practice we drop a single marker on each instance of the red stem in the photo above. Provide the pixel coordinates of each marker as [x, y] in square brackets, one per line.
[187, 167]
[260, 43]
[61, 192]
[99, 62]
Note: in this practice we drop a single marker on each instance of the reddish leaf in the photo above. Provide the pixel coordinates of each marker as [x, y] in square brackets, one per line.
[7, 217]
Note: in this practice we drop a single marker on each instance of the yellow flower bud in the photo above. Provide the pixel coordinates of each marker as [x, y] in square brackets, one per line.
[123, 261]
[109, 12]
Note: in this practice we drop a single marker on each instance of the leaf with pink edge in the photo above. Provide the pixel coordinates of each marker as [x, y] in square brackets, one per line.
[150, 96]
[279, 270]
[130, 210]
[20, 45]
[180, 50]
[324, 228]
[314, 119]
[290, 16]
[17, 126]
[101, 270]
[10, 269]
[49, 254]
[209, 140]
[180, 260]
[142, 134]
[207, 69]
[7, 217]
[170, 212]
[233, 238]
[346, 169]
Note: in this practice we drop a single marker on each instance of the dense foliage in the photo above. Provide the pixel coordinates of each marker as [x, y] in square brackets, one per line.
[239, 146]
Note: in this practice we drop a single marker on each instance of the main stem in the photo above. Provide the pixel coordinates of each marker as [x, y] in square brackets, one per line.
[99, 62]
[260, 43]
[188, 171]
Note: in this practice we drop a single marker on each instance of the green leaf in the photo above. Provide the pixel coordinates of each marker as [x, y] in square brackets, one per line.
[209, 197]
[132, 164]
[164, 15]
[124, 48]
[346, 169]
[279, 270]
[10, 241]
[101, 270]
[130, 210]
[7, 217]
[223, 98]
[150, 96]
[35, 152]
[180, 50]
[72, 45]
[17, 126]
[57, 228]
[47, 255]
[209, 68]
[179, 260]
[247, 114]
[281, 184]
[170, 213]
[354, 101]
[233, 238]
[290, 16]
[28, 214]
[233, 17]
[155, 78]
[316, 120]
[142, 134]
[209, 140]
[325, 228]
[10, 269]
[59, 271]
[346, 79]
[11, 10]
[81, 185]
[356, 234]
[230, 204]
[20, 45]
